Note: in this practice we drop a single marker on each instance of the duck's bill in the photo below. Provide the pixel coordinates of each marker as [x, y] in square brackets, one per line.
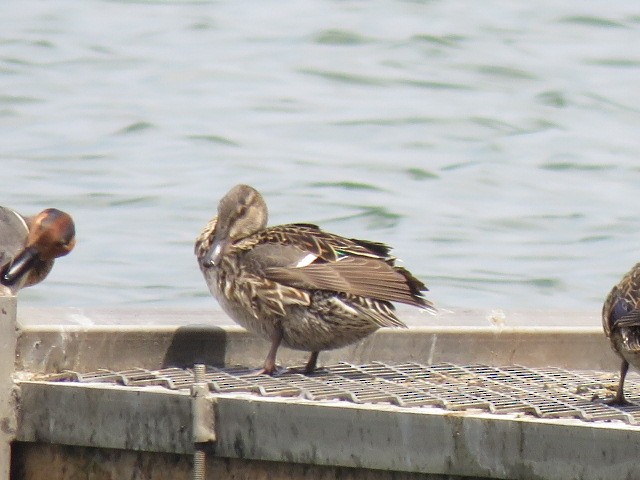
[20, 267]
[213, 256]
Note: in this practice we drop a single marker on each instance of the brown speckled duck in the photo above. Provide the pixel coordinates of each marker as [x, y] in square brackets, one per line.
[621, 323]
[296, 284]
[51, 234]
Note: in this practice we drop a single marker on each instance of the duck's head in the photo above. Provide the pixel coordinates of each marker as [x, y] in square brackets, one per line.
[51, 235]
[241, 212]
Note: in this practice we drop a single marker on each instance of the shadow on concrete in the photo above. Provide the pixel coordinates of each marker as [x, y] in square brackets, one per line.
[196, 344]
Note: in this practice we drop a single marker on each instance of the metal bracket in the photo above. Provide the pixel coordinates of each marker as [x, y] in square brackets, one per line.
[203, 408]
[203, 419]
[8, 425]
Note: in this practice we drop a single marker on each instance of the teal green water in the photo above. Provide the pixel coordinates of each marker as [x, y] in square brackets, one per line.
[495, 145]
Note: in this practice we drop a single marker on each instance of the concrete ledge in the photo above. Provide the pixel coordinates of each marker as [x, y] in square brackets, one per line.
[85, 340]
[425, 441]
[299, 432]
[106, 416]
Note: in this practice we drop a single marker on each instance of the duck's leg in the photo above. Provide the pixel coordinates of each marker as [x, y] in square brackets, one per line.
[311, 364]
[619, 398]
[270, 362]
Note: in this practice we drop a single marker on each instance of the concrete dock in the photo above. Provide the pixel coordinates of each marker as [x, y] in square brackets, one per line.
[104, 393]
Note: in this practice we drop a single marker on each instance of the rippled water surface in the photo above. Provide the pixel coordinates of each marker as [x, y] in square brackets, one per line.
[495, 145]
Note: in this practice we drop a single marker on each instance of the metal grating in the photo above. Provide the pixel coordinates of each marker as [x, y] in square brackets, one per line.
[542, 392]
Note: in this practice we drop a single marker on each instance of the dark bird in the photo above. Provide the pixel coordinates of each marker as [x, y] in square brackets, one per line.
[296, 284]
[621, 323]
[51, 234]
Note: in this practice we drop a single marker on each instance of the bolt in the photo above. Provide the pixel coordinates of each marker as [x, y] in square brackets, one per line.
[199, 373]
[199, 465]
[199, 456]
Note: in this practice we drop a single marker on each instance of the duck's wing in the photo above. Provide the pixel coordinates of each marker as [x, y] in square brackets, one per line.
[625, 318]
[624, 314]
[310, 259]
[14, 229]
[359, 276]
[622, 307]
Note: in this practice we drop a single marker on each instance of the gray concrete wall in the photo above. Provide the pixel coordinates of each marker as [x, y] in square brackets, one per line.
[34, 461]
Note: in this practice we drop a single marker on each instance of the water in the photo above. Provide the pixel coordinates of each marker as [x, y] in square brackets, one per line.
[494, 145]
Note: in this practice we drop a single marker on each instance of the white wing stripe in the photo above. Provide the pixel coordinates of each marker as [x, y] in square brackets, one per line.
[307, 260]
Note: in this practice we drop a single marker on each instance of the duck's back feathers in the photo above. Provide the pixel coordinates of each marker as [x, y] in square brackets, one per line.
[326, 246]
[305, 257]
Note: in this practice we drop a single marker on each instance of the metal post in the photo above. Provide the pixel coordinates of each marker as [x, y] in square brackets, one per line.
[203, 420]
[8, 337]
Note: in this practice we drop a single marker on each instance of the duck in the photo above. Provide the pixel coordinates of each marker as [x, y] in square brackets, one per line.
[297, 285]
[50, 235]
[621, 324]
